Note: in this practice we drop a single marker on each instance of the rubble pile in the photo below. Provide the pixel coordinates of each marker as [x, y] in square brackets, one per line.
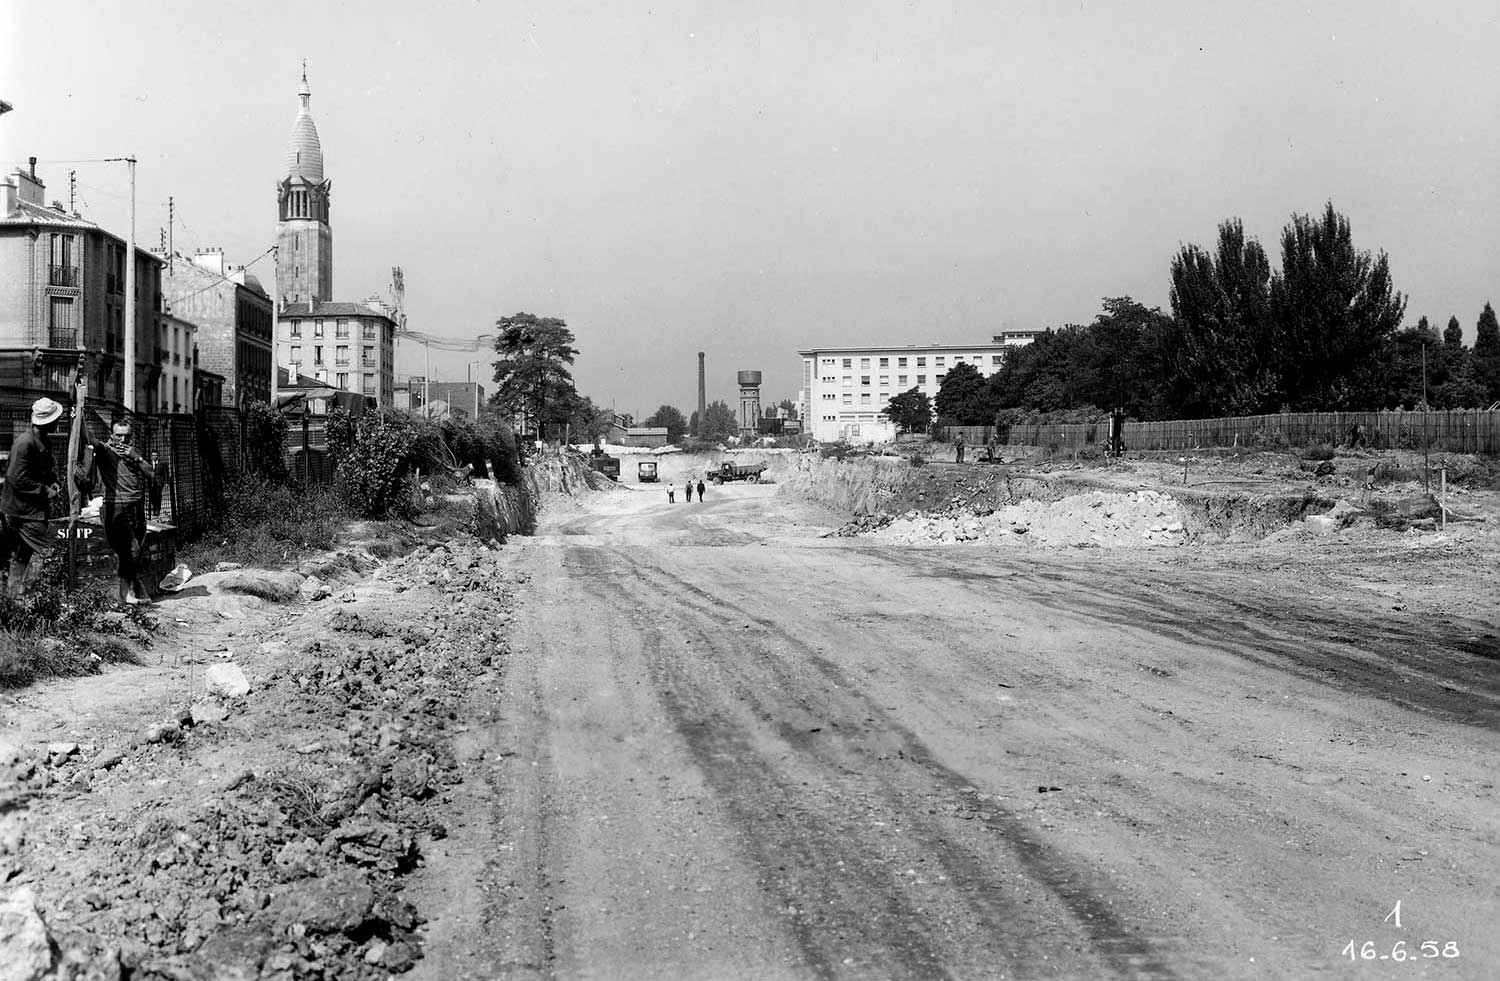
[326, 756]
[1096, 519]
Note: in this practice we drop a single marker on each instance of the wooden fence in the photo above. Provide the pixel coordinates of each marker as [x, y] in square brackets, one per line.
[1451, 431]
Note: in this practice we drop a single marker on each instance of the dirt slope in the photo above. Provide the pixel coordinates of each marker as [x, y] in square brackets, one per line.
[726, 746]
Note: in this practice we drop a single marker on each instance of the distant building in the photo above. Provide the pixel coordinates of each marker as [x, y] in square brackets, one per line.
[348, 346]
[344, 345]
[176, 353]
[845, 390]
[233, 315]
[62, 300]
[304, 234]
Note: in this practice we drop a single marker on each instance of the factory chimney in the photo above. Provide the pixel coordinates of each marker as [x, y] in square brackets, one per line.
[702, 395]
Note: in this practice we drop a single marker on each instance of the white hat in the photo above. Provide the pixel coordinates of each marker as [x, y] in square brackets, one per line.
[43, 411]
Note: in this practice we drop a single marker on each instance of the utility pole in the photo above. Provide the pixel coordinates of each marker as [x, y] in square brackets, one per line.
[130, 303]
[171, 214]
[275, 332]
[72, 189]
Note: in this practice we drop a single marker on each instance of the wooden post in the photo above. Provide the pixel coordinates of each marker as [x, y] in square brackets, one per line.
[76, 443]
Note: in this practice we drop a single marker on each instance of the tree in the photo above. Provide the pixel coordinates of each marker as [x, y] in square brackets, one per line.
[910, 411]
[1334, 306]
[789, 406]
[670, 418]
[963, 398]
[718, 422]
[587, 422]
[532, 380]
[1220, 349]
[1487, 354]
[1453, 336]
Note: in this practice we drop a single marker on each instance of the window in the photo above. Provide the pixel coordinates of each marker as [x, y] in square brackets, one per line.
[921, 379]
[317, 354]
[369, 331]
[848, 381]
[939, 378]
[864, 362]
[343, 379]
[848, 362]
[921, 362]
[341, 328]
[829, 396]
[864, 398]
[958, 359]
[885, 379]
[367, 354]
[885, 362]
[939, 360]
[341, 354]
[900, 362]
[995, 359]
[296, 354]
[368, 384]
[864, 379]
[317, 328]
[296, 328]
[848, 398]
[830, 379]
[900, 379]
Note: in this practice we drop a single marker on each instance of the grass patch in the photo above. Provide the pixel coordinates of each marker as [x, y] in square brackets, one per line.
[52, 633]
[267, 523]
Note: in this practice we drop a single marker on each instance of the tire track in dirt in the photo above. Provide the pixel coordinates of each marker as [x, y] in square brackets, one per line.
[756, 786]
[1406, 665]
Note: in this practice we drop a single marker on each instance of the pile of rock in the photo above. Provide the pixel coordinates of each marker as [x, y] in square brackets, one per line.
[1096, 519]
[293, 867]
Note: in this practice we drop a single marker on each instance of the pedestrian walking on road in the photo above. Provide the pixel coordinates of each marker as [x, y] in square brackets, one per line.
[30, 485]
[700, 492]
[688, 489]
[671, 493]
[126, 480]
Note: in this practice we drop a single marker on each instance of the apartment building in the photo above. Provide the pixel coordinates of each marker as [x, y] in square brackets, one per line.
[348, 346]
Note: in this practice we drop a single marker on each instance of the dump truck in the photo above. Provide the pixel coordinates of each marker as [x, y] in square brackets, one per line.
[645, 472]
[607, 465]
[726, 472]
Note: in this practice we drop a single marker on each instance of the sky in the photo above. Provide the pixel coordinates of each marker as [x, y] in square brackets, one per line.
[751, 180]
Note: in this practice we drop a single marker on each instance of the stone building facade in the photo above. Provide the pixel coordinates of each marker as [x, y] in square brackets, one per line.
[63, 303]
[233, 314]
[344, 345]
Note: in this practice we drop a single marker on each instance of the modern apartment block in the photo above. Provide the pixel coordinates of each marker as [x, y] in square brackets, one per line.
[845, 389]
[344, 345]
[63, 303]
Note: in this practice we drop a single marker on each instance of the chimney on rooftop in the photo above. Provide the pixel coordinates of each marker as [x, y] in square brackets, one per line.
[33, 167]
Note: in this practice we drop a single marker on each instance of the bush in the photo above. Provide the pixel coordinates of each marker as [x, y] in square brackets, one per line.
[265, 441]
[1323, 452]
[377, 473]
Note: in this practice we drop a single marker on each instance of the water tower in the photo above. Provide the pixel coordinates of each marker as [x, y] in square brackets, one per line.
[749, 404]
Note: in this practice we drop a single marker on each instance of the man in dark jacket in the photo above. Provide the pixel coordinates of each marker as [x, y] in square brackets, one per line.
[126, 481]
[30, 485]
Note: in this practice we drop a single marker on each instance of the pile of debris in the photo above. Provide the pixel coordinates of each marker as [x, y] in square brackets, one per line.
[289, 863]
[1096, 519]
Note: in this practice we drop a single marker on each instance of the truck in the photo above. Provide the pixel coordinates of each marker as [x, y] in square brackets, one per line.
[606, 464]
[727, 472]
[645, 472]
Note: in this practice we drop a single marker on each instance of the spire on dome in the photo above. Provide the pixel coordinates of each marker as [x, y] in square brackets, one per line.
[304, 152]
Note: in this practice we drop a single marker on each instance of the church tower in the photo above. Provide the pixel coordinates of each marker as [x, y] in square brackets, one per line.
[304, 240]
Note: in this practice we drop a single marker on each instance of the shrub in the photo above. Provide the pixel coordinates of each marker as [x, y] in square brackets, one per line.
[265, 441]
[376, 475]
[1323, 452]
[264, 521]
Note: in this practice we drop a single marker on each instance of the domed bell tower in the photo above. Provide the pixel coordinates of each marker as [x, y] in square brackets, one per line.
[304, 239]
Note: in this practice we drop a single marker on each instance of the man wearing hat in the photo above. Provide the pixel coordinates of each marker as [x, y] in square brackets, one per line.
[30, 485]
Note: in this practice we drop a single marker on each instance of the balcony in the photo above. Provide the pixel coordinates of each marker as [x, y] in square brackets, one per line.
[62, 336]
[63, 276]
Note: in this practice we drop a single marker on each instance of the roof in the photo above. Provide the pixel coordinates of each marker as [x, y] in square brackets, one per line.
[878, 349]
[292, 311]
[304, 152]
[36, 214]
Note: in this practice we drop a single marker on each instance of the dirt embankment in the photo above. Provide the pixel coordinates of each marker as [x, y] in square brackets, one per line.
[1132, 504]
[250, 803]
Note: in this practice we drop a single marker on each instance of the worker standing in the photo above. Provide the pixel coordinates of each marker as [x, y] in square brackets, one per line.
[687, 489]
[127, 481]
[30, 485]
[671, 493]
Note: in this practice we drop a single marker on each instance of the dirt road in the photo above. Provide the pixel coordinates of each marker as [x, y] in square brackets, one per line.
[724, 746]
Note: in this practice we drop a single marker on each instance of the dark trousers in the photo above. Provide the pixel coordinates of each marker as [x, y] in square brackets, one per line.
[125, 531]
